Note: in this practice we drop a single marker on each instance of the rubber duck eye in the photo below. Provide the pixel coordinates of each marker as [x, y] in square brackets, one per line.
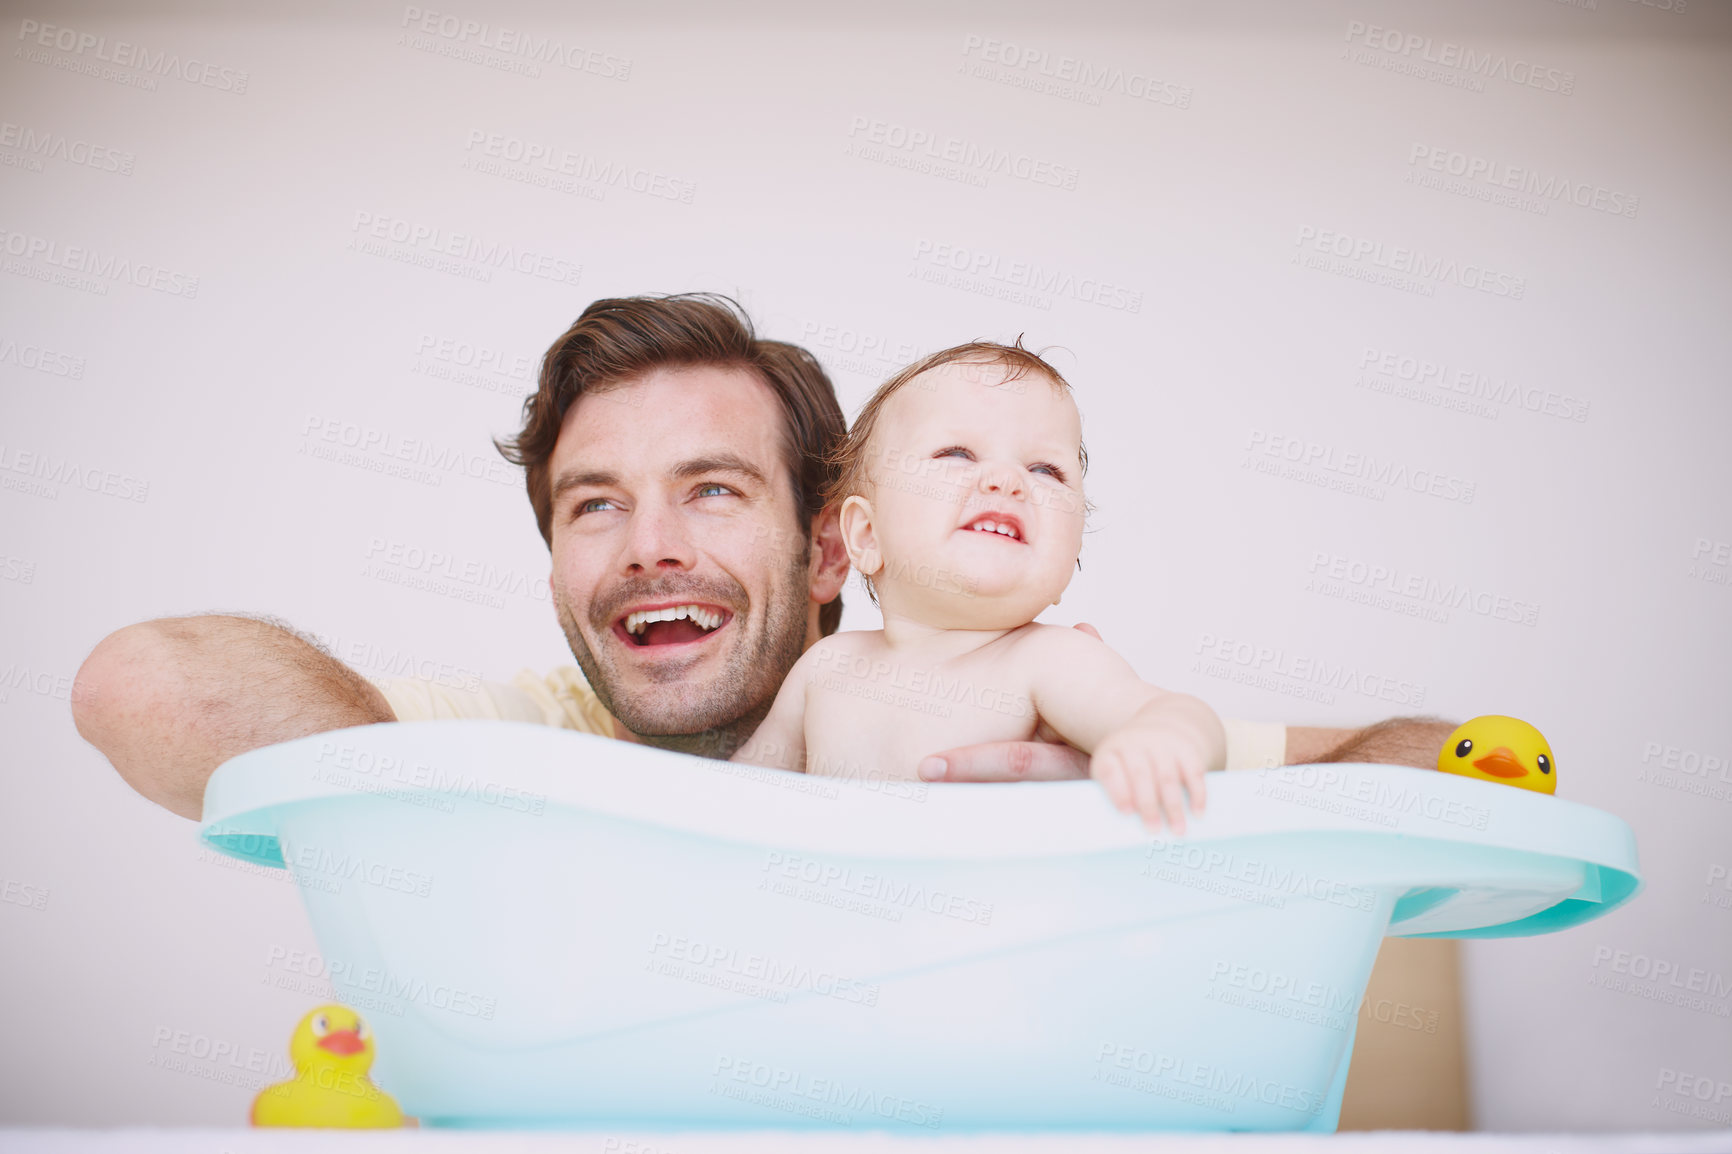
[321, 1025]
[1464, 748]
[1545, 763]
[361, 1030]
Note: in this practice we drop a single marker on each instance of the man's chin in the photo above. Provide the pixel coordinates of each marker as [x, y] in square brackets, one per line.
[638, 668]
[671, 695]
[705, 724]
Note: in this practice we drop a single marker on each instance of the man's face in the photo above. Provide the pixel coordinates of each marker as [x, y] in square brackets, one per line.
[680, 573]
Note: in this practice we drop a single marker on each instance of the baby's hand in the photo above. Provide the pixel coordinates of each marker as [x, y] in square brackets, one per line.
[1149, 769]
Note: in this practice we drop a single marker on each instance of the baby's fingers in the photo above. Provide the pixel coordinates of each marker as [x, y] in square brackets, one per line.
[1194, 784]
[1148, 793]
[1172, 793]
[1109, 769]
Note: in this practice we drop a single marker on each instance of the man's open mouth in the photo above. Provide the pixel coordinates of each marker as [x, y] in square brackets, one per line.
[670, 624]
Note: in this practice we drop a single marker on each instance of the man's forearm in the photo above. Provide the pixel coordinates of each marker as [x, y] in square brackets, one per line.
[168, 701]
[1398, 741]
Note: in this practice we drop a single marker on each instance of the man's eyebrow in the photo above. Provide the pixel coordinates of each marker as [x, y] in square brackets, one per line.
[716, 463]
[575, 479]
[719, 463]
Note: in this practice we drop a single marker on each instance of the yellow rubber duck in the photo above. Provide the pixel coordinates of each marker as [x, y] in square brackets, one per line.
[1506, 750]
[332, 1049]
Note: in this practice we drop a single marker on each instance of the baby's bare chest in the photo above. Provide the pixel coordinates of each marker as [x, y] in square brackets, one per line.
[874, 716]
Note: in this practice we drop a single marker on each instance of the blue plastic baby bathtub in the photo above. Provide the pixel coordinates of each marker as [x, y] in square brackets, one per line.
[546, 928]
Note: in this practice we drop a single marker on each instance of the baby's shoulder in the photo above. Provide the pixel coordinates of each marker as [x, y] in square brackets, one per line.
[1060, 651]
[839, 649]
[1068, 658]
[852, 641]
[1039, 640]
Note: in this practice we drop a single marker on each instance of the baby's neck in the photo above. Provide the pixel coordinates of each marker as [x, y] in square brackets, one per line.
[936, 642]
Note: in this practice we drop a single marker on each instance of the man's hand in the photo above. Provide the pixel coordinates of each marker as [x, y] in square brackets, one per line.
[1046, 758]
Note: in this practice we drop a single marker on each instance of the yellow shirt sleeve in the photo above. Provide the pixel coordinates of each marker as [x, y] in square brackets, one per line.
[562, 698]
[1255, 744]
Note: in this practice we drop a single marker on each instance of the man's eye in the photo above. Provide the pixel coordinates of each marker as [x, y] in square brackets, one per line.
[593, 505]
[713, 489]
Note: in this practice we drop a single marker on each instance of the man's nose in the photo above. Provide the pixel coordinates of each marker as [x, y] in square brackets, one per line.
[656, 541]
[1003, 478]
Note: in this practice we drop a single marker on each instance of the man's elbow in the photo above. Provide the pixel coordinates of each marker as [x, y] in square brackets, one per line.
[123, 696]
[117, 673]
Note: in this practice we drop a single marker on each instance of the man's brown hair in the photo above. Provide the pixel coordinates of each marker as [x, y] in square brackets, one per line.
[619, 338]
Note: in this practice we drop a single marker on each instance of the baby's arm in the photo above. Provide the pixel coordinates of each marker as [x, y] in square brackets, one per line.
[779, 742]
[1150, 746]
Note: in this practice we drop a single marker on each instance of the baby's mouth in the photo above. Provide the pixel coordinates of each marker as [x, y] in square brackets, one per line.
[670, 624]
[998, 524]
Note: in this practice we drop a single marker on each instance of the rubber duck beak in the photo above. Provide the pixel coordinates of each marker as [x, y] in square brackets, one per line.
[1501, 762]
[342, 1042]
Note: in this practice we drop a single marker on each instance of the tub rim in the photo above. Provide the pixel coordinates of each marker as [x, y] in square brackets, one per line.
[518, 766]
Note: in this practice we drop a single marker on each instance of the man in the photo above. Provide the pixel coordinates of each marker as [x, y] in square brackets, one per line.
[675, 464]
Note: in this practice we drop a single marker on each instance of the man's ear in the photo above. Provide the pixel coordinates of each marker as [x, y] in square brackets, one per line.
[829, 557]
[859, 537]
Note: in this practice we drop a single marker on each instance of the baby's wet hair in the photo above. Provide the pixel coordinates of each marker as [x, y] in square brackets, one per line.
[849, 460]
[847, 465]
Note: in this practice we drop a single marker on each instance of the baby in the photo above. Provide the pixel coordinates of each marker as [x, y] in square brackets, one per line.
[961, 506]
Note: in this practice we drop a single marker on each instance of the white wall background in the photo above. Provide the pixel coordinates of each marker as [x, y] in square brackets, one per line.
[154, 444]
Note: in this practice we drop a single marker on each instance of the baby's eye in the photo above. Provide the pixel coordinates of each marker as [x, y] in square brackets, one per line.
[1052, 471]
[954, 451]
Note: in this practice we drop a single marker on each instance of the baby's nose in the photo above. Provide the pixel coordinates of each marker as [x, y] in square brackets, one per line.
[999, 477]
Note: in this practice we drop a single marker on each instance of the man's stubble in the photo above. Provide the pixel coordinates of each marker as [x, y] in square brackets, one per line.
[713, 719]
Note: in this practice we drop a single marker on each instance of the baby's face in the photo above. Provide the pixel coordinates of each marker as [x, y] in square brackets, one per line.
[976, 496]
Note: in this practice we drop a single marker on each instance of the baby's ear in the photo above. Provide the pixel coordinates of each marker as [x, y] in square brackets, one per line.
[858, 536]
